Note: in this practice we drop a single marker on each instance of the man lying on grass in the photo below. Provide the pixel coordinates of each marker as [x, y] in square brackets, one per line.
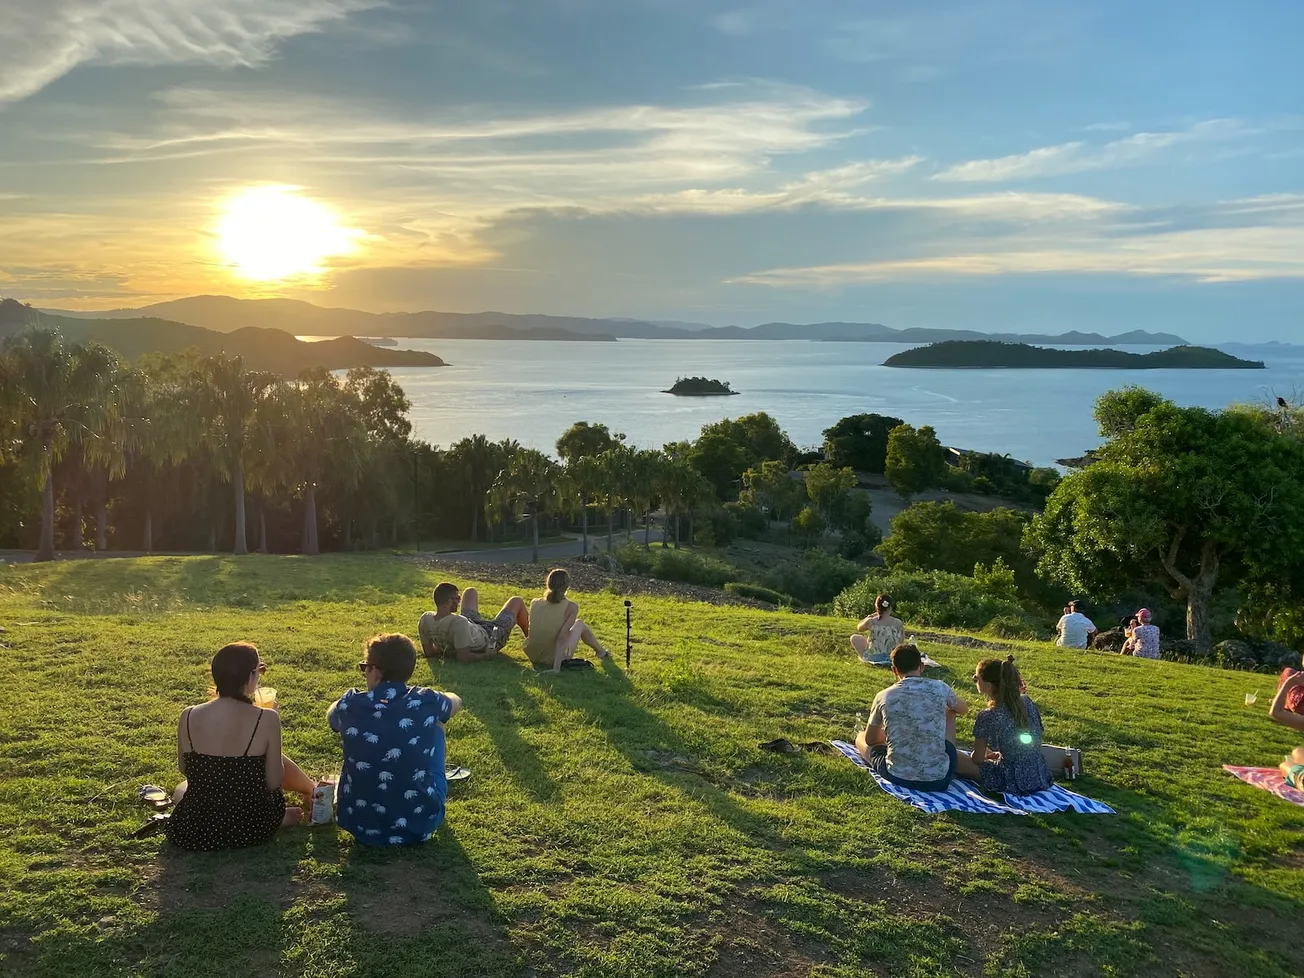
[469, 636]
[910, 737]
[392, 789]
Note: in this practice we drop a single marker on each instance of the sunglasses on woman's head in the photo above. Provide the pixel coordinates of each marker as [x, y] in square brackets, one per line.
[260, 668]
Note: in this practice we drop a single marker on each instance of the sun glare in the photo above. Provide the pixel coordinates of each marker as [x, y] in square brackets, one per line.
[268, 233]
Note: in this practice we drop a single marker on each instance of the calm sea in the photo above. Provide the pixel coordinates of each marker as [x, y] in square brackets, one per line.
[532, 391]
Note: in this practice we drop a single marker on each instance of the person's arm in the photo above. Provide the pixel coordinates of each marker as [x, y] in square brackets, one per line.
[333, 715]
[1278, 709]
[183, 742]
[875, 731]
[956, 705]
[454, 705]
[427, 645]
[272, 759]
[981, 753]
[867, 622]
[563, 636]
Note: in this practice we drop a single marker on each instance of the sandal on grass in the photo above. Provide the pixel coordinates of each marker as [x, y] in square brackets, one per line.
[576, 664]
[153, 826]
[155, 797]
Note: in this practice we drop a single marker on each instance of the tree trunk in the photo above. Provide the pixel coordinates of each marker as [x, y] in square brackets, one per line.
[1199, 628]
[237, 482]
[45, 551]
[584, 526]
[611, 514]
[534, 557]
[475, 523]
[78, 541]
[262, 525]
[310, 521]
[102, 523]
[212, 536]
[676, 519]
[647, 532]
[147, 544]
[373, 535]
[690, 527]
[629, 525]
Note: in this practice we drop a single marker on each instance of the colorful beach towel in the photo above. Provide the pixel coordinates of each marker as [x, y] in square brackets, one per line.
[1269, 779]
[965, 796]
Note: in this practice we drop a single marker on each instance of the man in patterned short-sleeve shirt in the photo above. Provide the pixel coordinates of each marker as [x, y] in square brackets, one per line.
[392, 789]
[910, 737]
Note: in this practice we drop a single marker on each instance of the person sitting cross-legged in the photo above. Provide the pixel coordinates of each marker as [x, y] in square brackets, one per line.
[468, 636]
[910, 737]
[556, 629]
[392, 788]
[886, 632]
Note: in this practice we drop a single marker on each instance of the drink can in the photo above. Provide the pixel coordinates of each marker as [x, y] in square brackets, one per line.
[323, 802]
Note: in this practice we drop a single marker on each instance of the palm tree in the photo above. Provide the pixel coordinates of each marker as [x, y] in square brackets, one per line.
[644, 474]
[529, 486]
[681, 487]
[229, 395]
[582, 479]
[477, 462]
[59, 391]
[612, 468]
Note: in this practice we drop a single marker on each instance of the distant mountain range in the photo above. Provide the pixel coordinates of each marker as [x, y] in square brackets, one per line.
[226, 314]
[969, 354]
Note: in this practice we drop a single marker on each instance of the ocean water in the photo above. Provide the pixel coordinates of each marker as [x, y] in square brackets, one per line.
[532, 391]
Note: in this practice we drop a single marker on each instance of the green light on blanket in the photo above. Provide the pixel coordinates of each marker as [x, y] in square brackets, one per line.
[1025, 738]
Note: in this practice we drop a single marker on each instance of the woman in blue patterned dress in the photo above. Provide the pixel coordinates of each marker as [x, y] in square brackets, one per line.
[1007, 735]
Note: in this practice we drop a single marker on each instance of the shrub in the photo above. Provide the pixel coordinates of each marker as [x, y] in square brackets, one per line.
[1015, 626]
[683, 566]
[714, 526]
[749, 520]
[808, 525]
[758, 593]
[935, 598]
[852, 545]
[996, 581]
[819, 577]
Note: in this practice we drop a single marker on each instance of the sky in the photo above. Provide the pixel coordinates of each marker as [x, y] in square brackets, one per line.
[980, 164]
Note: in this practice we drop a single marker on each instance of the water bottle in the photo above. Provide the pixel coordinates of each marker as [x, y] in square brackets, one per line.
[493, 638]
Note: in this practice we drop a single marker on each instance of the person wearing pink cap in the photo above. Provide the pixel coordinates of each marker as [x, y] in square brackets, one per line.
[1145, 637]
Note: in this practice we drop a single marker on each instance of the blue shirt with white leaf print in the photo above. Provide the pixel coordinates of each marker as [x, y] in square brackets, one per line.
[392, 787]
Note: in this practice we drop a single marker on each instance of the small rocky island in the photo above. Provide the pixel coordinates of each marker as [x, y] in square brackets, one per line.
[700, 387]
[988, 354]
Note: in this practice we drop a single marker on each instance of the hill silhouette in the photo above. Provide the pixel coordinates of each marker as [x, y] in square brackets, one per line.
[263, 349]
[225, 313]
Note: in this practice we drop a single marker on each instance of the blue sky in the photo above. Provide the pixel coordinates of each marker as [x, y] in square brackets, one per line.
[976, 164]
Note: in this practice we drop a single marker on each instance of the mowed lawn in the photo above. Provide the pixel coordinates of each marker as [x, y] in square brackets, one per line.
[616, 824]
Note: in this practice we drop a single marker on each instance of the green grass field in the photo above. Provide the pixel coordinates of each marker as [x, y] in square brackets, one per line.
[615, 824]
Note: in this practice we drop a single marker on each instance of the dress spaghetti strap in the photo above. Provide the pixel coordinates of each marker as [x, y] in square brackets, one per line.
[254, 734]
[190, 743]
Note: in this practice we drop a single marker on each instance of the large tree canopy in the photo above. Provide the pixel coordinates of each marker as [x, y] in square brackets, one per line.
[860, 442]
[1183, 497]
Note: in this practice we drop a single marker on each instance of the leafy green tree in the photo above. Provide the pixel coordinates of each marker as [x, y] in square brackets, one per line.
[808, 525]
[528, 486]
[613, 466]
[938, 536]
[56, 391]
[1181, 497]
[582, 440]
[914, 459]
[644, 476]
[860, 442]
[772, 487]
[721, 461]
[759, 435]
[582, 480]
[682, 489]
[827, 487]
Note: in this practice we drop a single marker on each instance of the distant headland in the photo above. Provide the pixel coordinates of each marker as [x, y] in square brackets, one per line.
[973, 354]
[700, 387]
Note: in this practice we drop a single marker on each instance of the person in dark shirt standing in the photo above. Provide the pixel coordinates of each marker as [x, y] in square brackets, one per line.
[392, 788]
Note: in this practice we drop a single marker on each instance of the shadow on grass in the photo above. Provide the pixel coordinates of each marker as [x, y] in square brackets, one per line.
[312, 902]
[162, 584]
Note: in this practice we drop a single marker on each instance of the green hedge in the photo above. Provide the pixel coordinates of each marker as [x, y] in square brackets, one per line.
[744, 590]
[684, 566]
[936, 598]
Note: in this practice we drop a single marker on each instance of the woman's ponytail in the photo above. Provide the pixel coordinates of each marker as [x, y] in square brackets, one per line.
[1010, 693]
[558, 582]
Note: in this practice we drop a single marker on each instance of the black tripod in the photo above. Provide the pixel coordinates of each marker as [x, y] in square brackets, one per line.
[629, 644]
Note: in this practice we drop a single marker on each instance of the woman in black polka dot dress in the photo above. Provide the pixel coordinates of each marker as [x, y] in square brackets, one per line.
[230, 752]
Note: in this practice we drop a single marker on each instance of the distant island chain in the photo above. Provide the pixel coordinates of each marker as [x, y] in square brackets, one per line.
[977, 354]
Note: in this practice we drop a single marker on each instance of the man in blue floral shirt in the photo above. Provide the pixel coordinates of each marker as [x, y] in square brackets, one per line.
[392, 788]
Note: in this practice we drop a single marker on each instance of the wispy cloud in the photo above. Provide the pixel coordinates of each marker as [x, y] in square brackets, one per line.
[1239, 240]
[42, 40]
[1079, 157]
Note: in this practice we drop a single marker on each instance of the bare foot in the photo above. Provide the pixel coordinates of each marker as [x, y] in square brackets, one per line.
[293, 816]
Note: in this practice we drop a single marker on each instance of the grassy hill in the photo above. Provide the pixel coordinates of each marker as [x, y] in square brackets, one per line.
[986, 353]
[262, 349]
[616, 824]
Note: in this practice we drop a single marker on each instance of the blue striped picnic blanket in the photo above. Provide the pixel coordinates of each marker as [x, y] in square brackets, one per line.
[965, 796]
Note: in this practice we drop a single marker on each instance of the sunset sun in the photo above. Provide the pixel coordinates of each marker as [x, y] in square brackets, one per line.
[270, 233]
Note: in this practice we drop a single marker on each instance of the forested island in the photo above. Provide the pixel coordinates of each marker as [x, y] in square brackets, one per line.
[700, 387]
[959, 354]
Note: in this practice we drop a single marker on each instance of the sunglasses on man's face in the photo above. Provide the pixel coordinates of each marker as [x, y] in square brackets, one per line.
[364, 666]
